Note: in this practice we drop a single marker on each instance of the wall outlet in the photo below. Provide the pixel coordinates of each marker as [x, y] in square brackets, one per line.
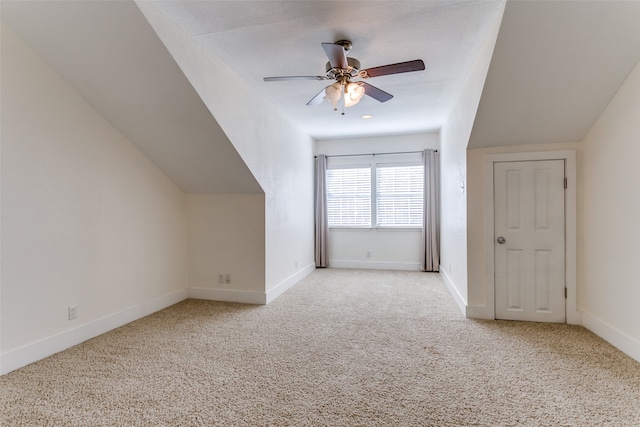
[296, 264]
[73, 312]
[368, 254]
[227, 278]
[220, 278]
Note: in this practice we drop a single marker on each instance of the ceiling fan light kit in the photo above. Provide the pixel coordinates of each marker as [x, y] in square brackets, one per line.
[350, 92]
[342, 69]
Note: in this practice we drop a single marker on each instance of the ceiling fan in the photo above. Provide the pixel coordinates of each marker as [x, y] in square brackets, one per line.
[342, 69]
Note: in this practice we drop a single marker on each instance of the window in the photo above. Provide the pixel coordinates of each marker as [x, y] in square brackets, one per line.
[399, 196]
[349, 197]
[392, 199]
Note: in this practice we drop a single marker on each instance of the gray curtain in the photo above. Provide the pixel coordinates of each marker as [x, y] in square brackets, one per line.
[322, 225]
[430, 243]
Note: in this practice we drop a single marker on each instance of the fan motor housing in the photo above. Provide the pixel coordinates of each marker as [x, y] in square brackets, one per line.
[352, 71]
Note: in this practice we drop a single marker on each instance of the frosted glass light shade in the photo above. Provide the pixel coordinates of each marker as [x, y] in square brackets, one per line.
[332, 93]
[353, 94]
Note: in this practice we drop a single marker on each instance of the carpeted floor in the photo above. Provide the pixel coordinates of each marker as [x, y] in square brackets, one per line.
[342, 348]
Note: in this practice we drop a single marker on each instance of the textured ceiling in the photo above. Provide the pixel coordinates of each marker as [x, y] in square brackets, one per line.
[555, 67]
[273, 38]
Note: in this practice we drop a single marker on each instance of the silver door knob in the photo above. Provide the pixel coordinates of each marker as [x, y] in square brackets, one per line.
[501, 240]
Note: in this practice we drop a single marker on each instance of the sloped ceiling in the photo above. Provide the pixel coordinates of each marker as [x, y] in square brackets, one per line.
[555, 67]
[110, 54]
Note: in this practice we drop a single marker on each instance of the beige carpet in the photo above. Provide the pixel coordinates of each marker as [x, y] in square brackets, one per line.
[342, 348]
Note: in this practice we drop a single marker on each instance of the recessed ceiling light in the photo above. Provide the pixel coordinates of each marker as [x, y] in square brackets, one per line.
[366, 116]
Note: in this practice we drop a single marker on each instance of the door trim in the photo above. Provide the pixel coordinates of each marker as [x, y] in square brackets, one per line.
[569, 156]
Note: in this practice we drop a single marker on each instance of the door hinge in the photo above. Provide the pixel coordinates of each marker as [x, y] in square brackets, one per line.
[565, 293]
[565, 182]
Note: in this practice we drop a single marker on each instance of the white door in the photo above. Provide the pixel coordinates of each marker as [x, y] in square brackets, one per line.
[529, 240]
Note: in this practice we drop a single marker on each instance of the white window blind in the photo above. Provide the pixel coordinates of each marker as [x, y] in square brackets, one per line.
[349, 197]
[399, 191]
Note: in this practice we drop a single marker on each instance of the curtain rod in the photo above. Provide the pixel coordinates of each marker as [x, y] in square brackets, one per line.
[374, 154]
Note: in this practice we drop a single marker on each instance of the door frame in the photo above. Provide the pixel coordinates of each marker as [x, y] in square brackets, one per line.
[569, 156]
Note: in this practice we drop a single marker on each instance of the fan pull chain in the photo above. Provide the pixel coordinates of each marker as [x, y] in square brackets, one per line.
[342, 88]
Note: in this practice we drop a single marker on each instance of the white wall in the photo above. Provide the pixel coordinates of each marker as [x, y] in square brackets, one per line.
[226, 236]
[609, 223]
[87, 220]
[390, 249]
[454, 138]
[276, 151]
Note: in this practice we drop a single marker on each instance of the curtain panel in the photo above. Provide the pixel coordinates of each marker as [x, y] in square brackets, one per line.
[321, 217]
[430, 242]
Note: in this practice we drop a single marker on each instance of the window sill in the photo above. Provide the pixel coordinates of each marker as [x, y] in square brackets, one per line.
[383, 229]
[350, 228]
[389, 228]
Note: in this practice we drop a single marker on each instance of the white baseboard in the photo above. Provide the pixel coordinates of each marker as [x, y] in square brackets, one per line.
[251, 297]
[479, 312]
[614, 336]
[375, 265]
[457, 297]
[17, 358]
[229, 295]
[288, 283]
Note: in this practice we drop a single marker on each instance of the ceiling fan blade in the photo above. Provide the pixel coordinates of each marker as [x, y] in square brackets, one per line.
[316, 100]
[375, 93]
[336, 54]
[283, 78]
[401, 67]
